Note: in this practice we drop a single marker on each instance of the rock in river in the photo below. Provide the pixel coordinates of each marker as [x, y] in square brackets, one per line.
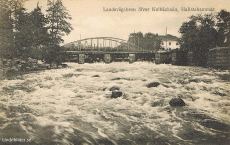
[114, 88]
[116, 94]
[175, 102]
[153, 84]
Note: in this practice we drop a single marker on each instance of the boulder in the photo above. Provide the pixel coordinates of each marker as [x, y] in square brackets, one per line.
[157, 103]
[114, 88]
[153, 84]
[95, 76]
[116, 94]
[176, 102]
[118, 78]
[64, 65]
[194, 80]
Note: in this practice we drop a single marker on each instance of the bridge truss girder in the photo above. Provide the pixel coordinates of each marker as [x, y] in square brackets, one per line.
[107, 44]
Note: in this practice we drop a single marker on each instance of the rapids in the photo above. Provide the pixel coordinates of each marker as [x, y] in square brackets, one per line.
[73, 105]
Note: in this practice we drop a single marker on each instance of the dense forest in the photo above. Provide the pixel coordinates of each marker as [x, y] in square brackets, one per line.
[32, 35]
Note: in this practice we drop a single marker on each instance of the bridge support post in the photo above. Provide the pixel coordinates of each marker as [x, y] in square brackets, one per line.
[163, 57]
[91, 44]
[81, 58]
[132, 58]
[107, 58]
[157, 58]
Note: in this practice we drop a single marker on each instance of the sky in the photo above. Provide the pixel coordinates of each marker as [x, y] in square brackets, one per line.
[92, 18]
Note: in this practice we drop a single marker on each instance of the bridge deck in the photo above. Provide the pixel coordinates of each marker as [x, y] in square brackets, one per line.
[111, 52]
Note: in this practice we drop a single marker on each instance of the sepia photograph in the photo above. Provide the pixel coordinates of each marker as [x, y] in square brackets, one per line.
[114, 72]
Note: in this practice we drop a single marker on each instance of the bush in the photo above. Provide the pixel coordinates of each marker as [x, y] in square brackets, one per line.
[54, 55]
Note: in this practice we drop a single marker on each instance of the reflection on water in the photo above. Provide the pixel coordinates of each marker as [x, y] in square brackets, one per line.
[73, 105]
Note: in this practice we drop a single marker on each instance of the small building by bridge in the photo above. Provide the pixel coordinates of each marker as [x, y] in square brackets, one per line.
[169, 42]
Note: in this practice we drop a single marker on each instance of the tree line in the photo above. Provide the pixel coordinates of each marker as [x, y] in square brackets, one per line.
[33, 34]
[205, 31]
[200, 33]
[147, 41]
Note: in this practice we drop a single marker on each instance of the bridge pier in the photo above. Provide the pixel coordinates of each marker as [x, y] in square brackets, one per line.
[81, 58]
[132, 58]
[162, 57]
[95, 56]
[107, 58]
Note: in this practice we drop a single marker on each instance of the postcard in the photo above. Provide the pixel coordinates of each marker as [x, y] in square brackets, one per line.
[106, 72]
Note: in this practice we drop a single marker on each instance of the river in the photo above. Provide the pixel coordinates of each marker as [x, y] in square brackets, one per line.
[73, 105]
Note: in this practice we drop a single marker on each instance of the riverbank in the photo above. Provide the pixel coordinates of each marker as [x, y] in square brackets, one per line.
[13, 68]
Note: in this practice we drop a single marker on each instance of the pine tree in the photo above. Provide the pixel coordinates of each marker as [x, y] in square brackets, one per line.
[8, 20]
[38, 32]
[57, 27]
[22, 33]
[6, 30]
[38, 22]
